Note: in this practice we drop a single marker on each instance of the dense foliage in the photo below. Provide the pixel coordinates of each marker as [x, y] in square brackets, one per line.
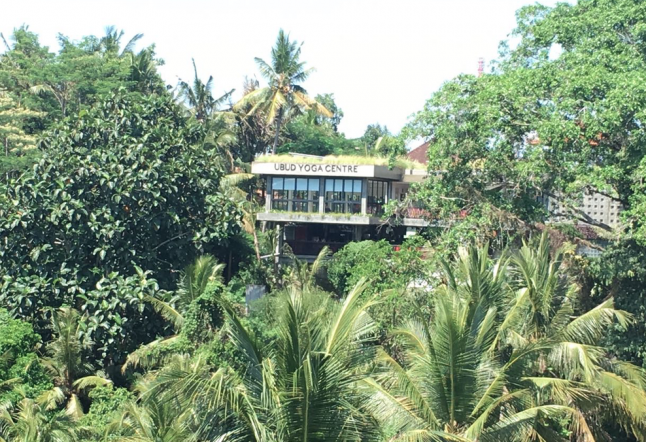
[123, 187]
[561, 113]
[128, 239]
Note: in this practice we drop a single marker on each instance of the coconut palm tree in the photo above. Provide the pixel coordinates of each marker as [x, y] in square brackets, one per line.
[32, 423]
[302, 275]
[199, 96]
[193, 288]
[490, 363]
[284, 95]
[156, 421]
[72, 375]
[111, 42]
[304, 386]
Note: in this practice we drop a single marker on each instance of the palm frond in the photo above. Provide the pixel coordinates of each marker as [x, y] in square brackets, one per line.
[91, 381]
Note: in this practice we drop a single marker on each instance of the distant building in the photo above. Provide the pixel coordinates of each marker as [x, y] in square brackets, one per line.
[315, 201]
[319, 201]
[419, 154]
[599, 207]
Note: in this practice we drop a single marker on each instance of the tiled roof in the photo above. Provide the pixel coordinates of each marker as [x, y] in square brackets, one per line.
[419, 154]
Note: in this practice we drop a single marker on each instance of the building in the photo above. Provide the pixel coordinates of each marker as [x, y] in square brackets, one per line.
[317, 201]
[598, 207]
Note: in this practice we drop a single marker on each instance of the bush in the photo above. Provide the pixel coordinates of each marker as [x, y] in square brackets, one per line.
[18, 361]
[389, 274]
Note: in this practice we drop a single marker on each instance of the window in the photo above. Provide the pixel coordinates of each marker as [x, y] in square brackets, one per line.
[342, 196]
[295, 194]
[377, 192]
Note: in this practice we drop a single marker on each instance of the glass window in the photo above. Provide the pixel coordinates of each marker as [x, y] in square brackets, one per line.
[343, 195]
[277, 188]
[295, 194]
[377, 196]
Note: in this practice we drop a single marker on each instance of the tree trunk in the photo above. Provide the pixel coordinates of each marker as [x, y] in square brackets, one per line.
[256, 245]
[6, 154]
[279, 121]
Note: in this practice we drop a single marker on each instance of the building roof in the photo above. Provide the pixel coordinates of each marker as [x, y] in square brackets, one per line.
[419, 154]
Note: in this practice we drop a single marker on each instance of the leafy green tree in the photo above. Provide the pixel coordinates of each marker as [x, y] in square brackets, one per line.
[22, 65]
[372, 134]
[19, 362]
[327, 100]
[503, 356]
[77, 76]
[284, 96]
[18, 146]
[619, 273]
[123, 186]
[389, 272]
[305, 136]
[561, 113]
[106, 402]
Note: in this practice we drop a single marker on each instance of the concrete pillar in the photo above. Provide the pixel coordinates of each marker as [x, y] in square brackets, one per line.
[387, 193]
[364, 196]
[268, 194]
[321, 195]
[279, 245]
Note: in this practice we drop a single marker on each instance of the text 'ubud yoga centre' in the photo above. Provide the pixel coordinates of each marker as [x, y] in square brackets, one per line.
[313, 168]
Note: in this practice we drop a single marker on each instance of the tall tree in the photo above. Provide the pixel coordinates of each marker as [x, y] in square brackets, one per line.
[124, 188]
[17, 145]
[561, 113]
[199, 96]
[284, 95]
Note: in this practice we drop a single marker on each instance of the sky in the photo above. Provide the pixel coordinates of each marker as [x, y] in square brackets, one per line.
[381, 59]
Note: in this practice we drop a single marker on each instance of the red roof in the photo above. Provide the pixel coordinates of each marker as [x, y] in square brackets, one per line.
[419, 154]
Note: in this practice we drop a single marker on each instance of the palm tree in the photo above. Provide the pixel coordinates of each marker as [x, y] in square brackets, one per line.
[156, 421]
[305, 386]
[199, 96]
[194, 286]
[229, 185]
[64, 360]
[480, 369]
[143, 71]
[301, 275]
[31, 423]
[110, 43]
[284, 94]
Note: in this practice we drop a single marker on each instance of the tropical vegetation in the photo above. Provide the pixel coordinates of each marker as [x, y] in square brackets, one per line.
[129, 250]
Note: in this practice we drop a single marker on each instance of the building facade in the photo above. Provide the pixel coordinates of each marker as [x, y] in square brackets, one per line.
[314, 203]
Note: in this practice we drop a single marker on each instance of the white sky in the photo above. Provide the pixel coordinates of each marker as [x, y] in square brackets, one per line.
[381, 59]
